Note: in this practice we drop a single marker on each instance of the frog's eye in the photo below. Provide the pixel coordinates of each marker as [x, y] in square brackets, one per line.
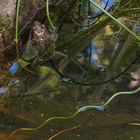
[43, 26]
[34, 27]
[36, 23]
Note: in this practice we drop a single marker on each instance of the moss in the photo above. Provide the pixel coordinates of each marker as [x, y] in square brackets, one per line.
[4, 23]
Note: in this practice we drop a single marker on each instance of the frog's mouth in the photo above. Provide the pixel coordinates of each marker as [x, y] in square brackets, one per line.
[39, 36]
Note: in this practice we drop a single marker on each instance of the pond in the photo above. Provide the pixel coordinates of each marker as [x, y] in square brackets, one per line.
[72, 73]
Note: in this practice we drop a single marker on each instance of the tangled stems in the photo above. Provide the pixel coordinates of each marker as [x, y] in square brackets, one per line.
[17, 27]
[114, 19]
[17, 38]
[65, 130]
[48, 14]
[76, 113]
[109, 100]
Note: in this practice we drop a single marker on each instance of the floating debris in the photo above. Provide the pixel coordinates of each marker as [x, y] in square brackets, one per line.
[137, 28]
[14, 81]
[3, 90]
[100, 108]
[14, 68]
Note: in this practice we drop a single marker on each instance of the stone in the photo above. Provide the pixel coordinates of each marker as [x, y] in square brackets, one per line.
[8, 8]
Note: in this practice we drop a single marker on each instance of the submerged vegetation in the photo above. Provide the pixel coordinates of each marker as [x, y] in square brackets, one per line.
[63, 58]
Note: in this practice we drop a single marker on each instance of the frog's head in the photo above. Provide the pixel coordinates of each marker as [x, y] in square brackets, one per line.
[38, 31]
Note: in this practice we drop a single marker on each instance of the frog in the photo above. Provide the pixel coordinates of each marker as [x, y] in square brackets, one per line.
[41, 46]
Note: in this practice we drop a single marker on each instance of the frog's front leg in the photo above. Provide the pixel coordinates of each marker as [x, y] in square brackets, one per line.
[63, 58]
[60, 55]
[37, 61]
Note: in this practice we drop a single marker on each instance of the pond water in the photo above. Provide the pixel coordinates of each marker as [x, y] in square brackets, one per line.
[116, 121]
[66, 85]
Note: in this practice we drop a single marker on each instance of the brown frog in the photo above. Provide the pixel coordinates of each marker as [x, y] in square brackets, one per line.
[43, 40]
[41, 45]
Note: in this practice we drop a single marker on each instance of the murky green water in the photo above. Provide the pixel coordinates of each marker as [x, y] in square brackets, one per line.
[103, 56]
[112, 123]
